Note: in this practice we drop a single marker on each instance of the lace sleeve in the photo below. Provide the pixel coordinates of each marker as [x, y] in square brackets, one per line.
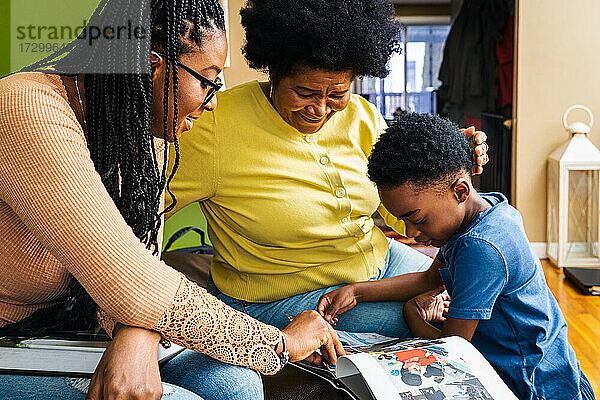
[198, 321]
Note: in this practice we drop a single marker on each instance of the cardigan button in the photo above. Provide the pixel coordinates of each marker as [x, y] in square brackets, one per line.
[345, 220]
[324, 160]
[340, 192]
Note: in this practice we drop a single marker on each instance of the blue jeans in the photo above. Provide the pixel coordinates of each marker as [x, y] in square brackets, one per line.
[384, 318]
[212, 379]
[20, 387]
[190, 376]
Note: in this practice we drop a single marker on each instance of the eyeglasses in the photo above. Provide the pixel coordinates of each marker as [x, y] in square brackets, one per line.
[214, 87]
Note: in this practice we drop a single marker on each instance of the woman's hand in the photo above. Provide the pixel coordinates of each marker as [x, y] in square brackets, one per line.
[337, 302]
[478, 141]
[431, 306]
[309, 332]
[129, 367]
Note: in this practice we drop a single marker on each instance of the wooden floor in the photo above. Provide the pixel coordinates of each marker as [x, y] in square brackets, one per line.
[583, 318]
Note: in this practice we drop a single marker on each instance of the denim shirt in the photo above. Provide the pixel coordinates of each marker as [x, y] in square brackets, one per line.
[494, 276]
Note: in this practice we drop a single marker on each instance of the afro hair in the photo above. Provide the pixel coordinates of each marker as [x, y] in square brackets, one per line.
[422, 150]
[332, 35]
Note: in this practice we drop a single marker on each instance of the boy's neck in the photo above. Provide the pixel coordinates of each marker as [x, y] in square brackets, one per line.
[475, 205]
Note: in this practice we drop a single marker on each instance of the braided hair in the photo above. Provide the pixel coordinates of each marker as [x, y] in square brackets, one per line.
[117, 119]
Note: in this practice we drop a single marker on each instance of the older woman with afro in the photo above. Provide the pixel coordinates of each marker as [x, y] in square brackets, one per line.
[280, 167]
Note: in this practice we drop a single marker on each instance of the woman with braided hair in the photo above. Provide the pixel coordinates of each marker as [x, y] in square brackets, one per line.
[82, 155]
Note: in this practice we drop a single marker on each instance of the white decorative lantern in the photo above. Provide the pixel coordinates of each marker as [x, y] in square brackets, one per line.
[574, 198]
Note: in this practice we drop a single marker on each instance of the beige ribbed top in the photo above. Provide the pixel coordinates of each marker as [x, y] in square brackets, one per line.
[57, 221]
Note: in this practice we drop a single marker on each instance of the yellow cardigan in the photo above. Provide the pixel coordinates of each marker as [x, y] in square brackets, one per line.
[287, 213]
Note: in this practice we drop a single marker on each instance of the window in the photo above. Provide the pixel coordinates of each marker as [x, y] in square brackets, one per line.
[422, 55]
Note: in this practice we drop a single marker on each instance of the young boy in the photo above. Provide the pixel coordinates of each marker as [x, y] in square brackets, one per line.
[499, 297]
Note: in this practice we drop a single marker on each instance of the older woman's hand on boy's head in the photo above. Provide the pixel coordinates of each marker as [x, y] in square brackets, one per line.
[480, 147]
[336, 302]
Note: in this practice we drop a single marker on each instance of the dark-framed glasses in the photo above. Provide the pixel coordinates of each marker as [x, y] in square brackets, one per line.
[214, 86]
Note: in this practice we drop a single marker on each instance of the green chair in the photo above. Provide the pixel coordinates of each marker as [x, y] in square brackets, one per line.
[190, 215]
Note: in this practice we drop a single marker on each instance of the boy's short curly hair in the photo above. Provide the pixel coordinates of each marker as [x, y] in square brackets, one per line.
[422, 150]
[332, 35]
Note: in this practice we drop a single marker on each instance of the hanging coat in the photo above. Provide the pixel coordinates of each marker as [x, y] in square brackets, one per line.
[469, 70]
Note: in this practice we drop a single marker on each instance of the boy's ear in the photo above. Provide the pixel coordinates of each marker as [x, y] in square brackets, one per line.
[461, 189]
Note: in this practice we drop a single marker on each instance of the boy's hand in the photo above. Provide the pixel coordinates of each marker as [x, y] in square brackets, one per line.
[432, 306]
[337, 302]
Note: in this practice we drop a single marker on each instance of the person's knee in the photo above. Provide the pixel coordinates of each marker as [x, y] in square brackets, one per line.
[404, 259]
[212, 379]
[172, 392]
[250, 386]
[238, 383]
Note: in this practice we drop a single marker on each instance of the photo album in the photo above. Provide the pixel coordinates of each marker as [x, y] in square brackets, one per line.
[383, 368]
